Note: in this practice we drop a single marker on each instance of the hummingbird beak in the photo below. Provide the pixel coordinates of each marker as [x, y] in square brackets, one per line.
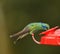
[43, 32]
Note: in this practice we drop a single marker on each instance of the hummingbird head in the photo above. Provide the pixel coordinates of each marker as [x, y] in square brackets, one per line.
[45, 26]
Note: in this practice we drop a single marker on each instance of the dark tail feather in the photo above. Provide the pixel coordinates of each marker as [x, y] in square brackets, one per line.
[25, 30]
[17, 34]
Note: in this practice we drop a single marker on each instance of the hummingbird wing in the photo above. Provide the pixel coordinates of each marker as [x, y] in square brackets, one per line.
[20, 33]
[20, 37]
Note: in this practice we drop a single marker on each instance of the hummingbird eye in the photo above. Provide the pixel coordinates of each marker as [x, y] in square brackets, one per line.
[45, 27]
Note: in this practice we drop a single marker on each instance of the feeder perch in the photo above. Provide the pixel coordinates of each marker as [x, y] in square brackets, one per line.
[51, 37]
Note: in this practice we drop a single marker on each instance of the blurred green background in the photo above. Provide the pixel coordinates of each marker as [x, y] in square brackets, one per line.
[17, 14]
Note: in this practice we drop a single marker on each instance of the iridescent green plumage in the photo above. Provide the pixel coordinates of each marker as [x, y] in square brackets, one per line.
[31, 28]
[37, 26]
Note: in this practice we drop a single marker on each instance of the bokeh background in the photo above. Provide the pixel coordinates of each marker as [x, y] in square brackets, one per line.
[16, 14]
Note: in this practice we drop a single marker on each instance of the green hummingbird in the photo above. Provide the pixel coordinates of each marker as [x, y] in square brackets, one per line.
[30, 29]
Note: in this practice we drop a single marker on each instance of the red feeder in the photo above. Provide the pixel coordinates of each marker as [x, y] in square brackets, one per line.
[51, 37]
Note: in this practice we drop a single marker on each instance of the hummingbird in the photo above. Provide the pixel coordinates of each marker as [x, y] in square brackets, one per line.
[31, 28]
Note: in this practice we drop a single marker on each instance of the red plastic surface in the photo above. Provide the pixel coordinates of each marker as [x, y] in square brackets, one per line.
[51, 37]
